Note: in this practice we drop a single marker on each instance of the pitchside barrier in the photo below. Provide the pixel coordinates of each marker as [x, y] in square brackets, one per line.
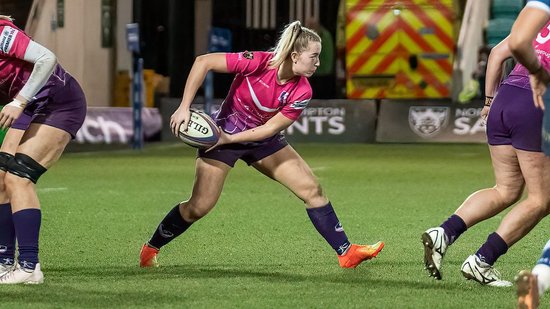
[331, 121]
[334, 121]
[409, 121]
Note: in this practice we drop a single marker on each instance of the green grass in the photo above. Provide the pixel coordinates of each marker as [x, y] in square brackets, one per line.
[257, 248]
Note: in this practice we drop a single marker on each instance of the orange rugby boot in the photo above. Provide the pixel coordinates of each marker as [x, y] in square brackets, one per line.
[359, 253]
[148, 256]
[527, 289]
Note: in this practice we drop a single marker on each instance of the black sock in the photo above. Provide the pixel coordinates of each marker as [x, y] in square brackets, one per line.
[169, 228]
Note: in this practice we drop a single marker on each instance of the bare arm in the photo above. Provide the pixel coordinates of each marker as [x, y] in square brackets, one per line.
[273, 126]
[498, 55]
[210, 62]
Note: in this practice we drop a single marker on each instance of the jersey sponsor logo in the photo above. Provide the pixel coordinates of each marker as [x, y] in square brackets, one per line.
[299, 104]
[248, 55]
[256, 101]
[7, 37]
[427, 121]
[283, 97]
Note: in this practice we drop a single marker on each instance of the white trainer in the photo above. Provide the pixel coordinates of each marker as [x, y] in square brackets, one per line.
[19, 275]
[475, 269]
[4, 268]
[435, 247]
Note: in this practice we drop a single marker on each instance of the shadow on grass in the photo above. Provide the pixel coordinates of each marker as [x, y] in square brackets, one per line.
[132, 286]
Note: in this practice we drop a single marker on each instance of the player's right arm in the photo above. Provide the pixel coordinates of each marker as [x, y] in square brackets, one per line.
[209, 62]
[498, 55]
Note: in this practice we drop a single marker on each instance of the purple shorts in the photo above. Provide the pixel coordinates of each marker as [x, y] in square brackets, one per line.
[63, 108]
[248, 152]
[514, 119]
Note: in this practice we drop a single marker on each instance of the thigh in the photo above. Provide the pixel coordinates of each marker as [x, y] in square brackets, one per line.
[11, 140]
[44, 143]
[288, 168]
[535, 167]
[508, 176]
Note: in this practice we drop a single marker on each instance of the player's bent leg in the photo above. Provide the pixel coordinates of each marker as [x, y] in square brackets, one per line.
[209, 179]
[508, 188]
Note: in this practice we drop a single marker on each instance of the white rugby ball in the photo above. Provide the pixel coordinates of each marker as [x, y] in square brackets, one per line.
[202, 132]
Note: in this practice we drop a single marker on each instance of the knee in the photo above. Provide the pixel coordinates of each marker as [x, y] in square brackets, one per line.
[314, 194]
[540, 205]
[12, 182]
[192, 212]
[508, 196]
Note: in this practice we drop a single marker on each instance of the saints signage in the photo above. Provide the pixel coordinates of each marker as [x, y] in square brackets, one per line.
[335, 121]
[430, 121]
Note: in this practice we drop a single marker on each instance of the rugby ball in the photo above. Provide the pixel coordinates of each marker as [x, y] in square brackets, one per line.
[202, 132]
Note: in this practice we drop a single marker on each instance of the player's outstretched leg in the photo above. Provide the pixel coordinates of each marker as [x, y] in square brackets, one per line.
[169, 228]
[327, 224]
[359, 253]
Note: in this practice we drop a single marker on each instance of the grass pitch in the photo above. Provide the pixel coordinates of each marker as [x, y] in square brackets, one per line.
[257, 248]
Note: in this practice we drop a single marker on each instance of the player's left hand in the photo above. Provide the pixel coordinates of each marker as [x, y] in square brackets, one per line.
[224, 139]
[10, 113]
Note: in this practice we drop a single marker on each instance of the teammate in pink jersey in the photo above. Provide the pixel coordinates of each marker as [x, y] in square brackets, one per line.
[514, 127]
[45, 109]
[268, 94]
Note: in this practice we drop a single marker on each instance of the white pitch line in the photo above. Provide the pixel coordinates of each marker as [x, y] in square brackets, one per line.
[52, 189]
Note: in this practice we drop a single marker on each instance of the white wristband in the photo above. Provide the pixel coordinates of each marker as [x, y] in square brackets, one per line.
[17, 103]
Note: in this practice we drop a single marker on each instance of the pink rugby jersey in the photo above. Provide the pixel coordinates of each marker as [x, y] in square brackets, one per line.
[255, 95]
[520, 75]
[14, 71]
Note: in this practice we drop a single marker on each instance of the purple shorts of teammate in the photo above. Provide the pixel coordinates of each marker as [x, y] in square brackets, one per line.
[514, 119]
[62, 107]
[248, 152]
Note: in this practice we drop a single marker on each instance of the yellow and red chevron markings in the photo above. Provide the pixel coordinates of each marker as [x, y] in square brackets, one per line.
[399, 48]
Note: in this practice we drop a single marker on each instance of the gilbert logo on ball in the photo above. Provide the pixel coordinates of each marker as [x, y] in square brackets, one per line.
[202, 132]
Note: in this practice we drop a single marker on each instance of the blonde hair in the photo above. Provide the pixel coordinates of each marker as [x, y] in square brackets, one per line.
[294, 38]
[6, 17]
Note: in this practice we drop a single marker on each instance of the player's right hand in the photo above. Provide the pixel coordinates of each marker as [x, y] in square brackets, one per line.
[179, 117]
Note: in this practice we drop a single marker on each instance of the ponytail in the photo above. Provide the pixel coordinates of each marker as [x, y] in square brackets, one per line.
[294, 38]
